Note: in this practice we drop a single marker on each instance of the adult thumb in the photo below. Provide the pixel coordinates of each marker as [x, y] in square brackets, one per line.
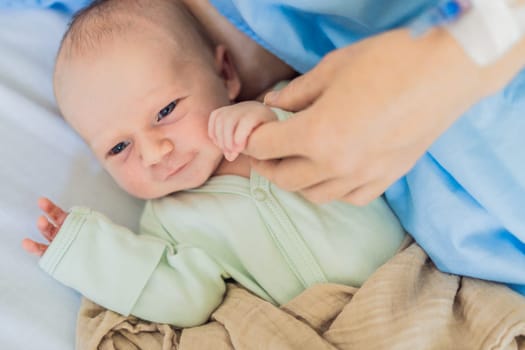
[299, 94]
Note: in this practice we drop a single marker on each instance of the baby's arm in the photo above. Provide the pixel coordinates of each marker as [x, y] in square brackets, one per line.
[145, 275]
[231, 126]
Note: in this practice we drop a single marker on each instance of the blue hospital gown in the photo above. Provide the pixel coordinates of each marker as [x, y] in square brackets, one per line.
[464, 201]
[67, 6]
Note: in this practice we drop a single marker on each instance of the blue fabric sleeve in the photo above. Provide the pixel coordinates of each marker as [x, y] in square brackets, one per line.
[301, 32]
[68, 6]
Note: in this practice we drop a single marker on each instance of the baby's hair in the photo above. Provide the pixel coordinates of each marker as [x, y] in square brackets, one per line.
[103, 22]
[106, 20]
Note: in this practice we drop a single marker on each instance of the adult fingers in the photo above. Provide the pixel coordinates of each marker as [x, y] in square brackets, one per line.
[329, 190]
[244, 128]
[366, 193]
[298, 94]
[275, 140]
[291, 174]
[358, 188]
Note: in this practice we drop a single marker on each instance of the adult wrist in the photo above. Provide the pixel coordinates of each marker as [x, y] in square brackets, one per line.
[455, 68]
[486, 79]
[485, 29]
[500, 72]
[488, 29]
[495, 71]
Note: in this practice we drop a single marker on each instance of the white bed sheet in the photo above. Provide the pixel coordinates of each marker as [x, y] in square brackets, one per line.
[40, 155]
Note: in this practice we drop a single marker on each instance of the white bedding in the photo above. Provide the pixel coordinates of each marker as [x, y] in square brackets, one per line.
[40, 155]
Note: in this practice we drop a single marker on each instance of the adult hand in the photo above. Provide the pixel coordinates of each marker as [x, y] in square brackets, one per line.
[365, 114]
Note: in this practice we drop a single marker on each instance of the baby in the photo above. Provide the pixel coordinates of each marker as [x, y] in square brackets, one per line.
[153, 98]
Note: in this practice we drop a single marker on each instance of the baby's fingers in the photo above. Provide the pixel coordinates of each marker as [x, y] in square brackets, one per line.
[230, 125]
[33, 247]
[48, 230]
[231, 155]
[55, 213]
[212, 131]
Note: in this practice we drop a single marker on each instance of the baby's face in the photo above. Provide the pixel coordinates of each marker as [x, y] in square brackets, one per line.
[144, 113]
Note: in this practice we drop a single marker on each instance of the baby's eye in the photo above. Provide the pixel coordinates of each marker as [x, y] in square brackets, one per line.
[119, 147]
[164, 112]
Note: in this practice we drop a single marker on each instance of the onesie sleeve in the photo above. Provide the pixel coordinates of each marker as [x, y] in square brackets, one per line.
[140, 274]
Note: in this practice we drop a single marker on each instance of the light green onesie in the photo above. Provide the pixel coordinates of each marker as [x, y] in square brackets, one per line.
[271, 241]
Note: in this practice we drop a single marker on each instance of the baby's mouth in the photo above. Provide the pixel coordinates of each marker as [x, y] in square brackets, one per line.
[176, 170]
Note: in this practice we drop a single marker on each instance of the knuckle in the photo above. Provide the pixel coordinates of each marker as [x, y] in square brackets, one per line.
[328, 63]
[249, 121]
[329, 57]
[312, 147]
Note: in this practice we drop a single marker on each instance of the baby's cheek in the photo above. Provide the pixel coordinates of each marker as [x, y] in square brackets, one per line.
[133, 183]
[134, 189]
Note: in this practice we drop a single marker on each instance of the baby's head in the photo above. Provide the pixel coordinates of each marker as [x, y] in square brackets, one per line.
[138, 79]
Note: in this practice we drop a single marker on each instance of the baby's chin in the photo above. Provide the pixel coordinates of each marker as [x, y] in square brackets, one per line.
[145, 193]
[163, 191]
[151, 194]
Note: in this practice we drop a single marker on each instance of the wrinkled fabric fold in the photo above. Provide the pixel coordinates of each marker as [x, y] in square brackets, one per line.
[406, 304]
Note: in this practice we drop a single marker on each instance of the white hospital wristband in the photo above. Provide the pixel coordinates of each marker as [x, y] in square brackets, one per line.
[489, 28]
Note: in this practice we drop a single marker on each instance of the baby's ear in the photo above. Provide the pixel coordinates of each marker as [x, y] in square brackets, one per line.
[228, 72]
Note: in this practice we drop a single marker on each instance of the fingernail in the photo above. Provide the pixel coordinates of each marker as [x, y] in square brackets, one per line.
[271, 97]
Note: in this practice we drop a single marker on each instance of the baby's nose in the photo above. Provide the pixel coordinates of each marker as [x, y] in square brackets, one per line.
[153, 151]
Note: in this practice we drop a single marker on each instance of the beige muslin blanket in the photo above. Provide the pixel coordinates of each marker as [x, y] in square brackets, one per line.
[406, 304]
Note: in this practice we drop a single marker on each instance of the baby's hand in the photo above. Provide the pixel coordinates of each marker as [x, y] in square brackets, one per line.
[231, 126]
[48, 225]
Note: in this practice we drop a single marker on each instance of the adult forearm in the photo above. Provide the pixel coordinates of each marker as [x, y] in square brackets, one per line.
[490, 78]
[451, 69]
